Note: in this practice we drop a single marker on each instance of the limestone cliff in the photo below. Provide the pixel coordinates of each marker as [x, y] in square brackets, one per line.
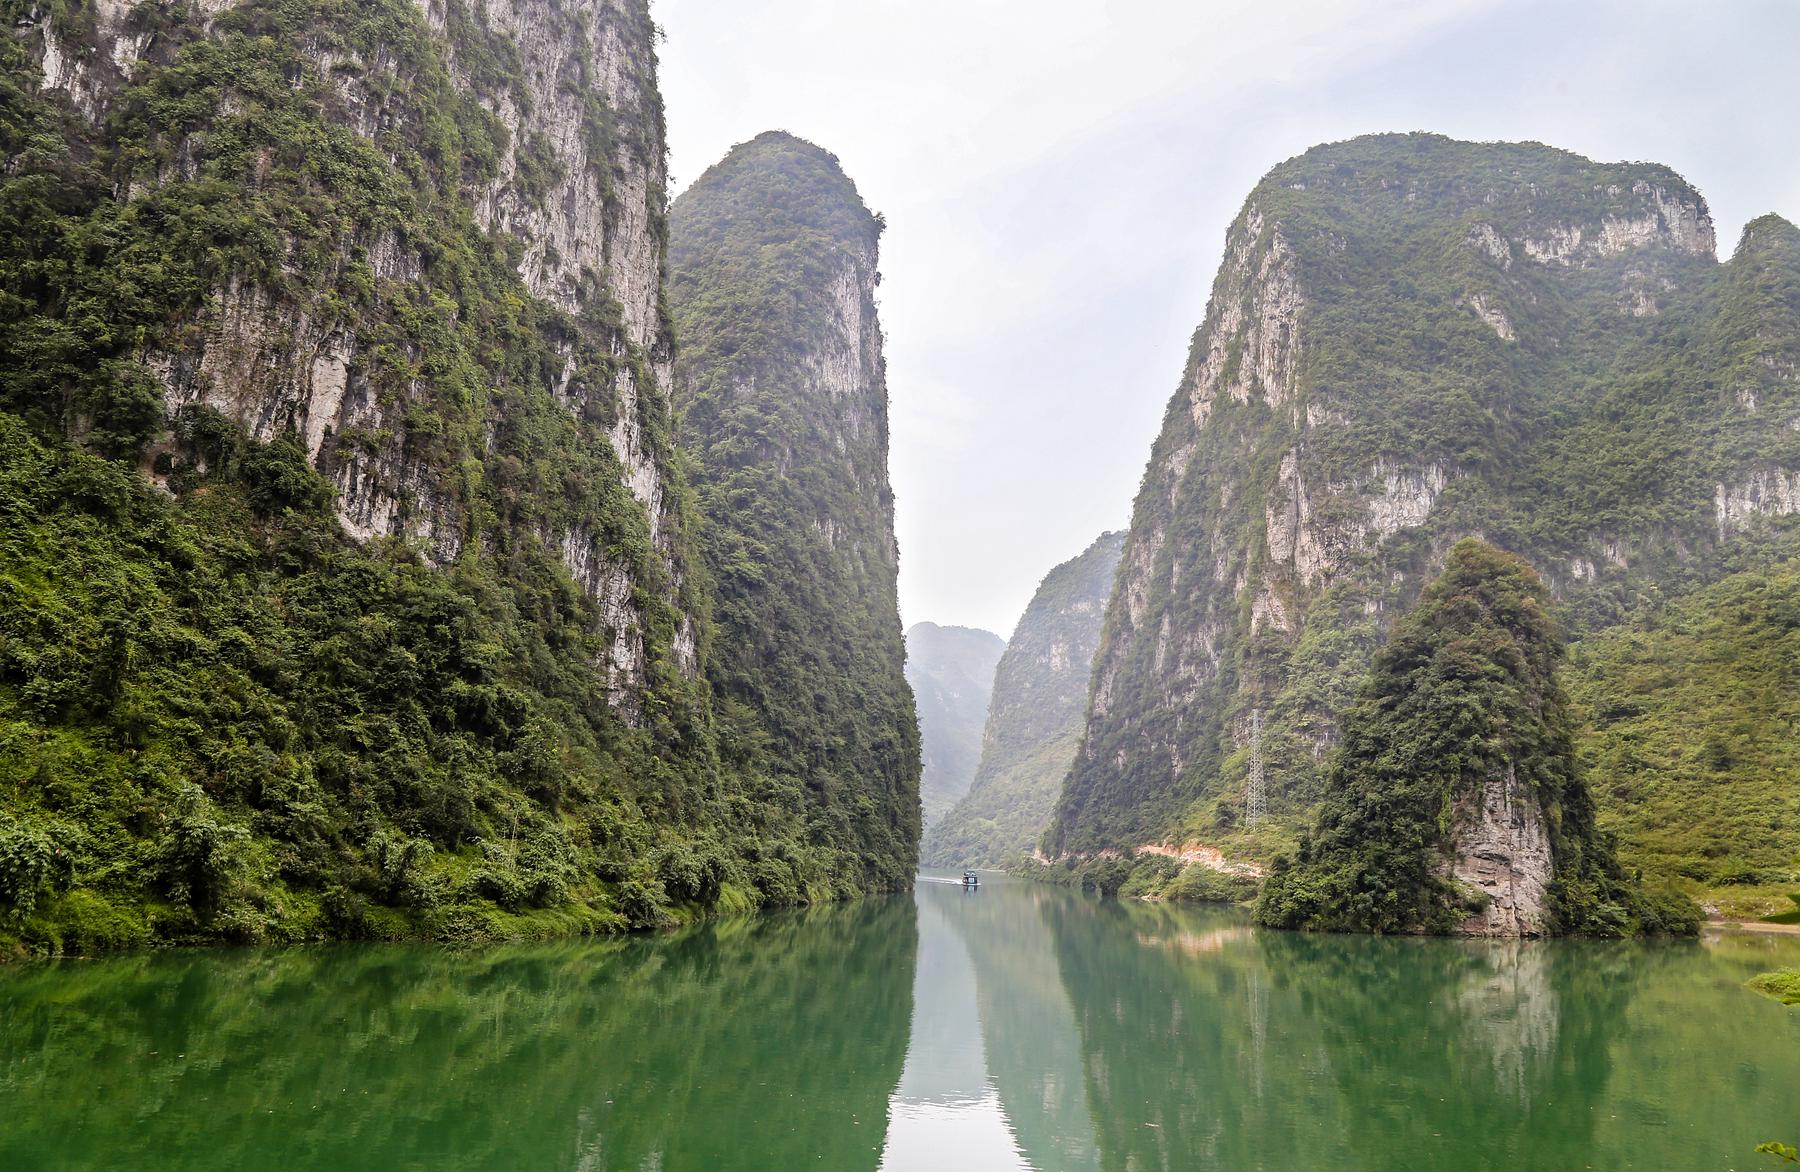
[1410, 340]
[345, 584]
[1501, 852]
[330, 324]
[783, 393]
[1034, 717]
[951, 672]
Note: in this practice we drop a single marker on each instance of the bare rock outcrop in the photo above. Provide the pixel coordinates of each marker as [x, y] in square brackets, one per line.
[575, 191]
[1385, 367]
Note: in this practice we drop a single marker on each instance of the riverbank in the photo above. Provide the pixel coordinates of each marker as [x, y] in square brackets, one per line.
[1155, 873]
[73, 933]
[1758, 926]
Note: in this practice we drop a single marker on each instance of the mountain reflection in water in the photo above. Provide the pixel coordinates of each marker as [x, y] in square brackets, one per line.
[946, 1111]
[1013, 1027]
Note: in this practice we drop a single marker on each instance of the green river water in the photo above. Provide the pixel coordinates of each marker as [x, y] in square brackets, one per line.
[1016, 1026]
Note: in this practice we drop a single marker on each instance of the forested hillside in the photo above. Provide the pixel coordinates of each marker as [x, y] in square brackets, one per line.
[1692, 744]
[347, 582]
[1411, 340]
[1034, 717]
[782, 391]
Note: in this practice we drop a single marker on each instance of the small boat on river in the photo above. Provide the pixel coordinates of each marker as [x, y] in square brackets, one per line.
[971, 879]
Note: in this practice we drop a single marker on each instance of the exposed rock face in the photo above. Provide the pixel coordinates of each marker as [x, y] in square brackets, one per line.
[1035, 716]
[1502, 850]
[1766, 492]
[951, 670]
[335, 408]
[1456, 804]
[1410, 340]
[783, 395]
[1657, 214]
[575, 188]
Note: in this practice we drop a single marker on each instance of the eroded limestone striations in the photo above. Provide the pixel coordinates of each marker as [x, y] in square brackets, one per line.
[1502, 850]
[573, 192]
[1411, 340]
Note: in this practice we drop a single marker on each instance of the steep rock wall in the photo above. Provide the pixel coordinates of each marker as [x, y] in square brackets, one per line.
[1034, 716]
[1501, 849]
[566, 176]
[1409, 340]
[951, 672]
[346, 573]
[783, 393]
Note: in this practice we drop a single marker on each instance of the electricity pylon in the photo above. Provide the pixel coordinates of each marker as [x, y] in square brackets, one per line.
[1255, 795]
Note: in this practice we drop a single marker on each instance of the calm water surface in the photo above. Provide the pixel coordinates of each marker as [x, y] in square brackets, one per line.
[1012, 1027]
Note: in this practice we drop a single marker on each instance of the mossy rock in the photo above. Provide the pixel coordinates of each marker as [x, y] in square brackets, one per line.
[1782, 984]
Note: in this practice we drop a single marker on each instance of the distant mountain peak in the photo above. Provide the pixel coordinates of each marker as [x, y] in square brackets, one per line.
[1034, 715]
[951, 670]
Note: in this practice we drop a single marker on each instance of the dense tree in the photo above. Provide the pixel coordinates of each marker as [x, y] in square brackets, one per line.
[1464, 692]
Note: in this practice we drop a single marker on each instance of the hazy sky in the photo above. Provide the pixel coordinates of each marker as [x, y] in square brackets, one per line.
[1058, 175]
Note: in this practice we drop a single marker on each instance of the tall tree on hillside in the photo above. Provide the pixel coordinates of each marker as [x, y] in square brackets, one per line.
[1454, 803]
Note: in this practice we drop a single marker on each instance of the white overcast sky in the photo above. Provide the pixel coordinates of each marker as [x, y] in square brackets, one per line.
[1058, 175]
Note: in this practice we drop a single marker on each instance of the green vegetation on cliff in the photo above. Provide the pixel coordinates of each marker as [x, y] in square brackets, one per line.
[220, 717]
[783, 398]
[1465, 692]
[1692, 709]
[1034, 716]
[1412, 340]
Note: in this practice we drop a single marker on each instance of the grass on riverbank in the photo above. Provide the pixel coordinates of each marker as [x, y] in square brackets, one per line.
[1782, 984]
[1787, 915]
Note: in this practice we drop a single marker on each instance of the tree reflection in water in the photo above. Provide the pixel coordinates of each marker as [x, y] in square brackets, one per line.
[771, 1042]
[1050, 1031]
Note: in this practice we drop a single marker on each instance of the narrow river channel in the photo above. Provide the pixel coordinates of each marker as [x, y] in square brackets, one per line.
[1012, 1027]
